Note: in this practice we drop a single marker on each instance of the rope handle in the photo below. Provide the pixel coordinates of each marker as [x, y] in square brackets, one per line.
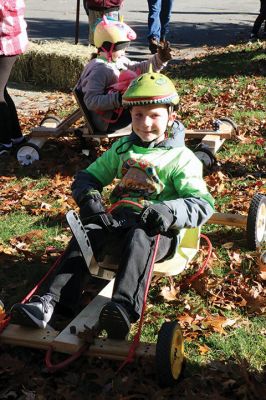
[55, 367]
[203, 266]
[119, 202]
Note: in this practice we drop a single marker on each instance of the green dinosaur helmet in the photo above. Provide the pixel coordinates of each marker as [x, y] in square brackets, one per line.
[150, 88]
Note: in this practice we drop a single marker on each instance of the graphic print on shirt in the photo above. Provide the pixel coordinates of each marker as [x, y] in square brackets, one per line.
[139, 179]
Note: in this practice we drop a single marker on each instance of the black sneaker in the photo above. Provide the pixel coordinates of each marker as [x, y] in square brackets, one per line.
[115, 321]
[36, 313]
[5, 148]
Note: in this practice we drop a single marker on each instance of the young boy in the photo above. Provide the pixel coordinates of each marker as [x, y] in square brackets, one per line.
[155, 170]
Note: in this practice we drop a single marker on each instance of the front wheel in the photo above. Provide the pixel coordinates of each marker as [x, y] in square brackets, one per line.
[169, 353]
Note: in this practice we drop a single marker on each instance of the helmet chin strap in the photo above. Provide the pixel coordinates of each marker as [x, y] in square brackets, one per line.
[109, 53]
[155, 141]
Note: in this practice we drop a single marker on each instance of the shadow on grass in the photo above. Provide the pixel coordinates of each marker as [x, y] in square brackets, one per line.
[218, 379]
[237, 169]
[20, 274]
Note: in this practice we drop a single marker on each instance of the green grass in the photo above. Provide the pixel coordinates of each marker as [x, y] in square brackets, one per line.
[240, 115]
[244, 343]
[19, 224]
[231, 149]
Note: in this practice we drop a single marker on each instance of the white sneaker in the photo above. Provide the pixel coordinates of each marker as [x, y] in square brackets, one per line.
[36, 313]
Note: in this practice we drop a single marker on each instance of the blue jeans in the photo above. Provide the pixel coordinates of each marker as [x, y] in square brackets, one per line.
[159, 18]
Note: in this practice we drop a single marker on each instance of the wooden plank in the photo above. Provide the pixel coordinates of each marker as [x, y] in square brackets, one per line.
[199, 134]
[28, 337]
[99, 135]
[47, 131]
[118, 349]
[42, 339]
[213, 142]
[70, 343]
[228, 219]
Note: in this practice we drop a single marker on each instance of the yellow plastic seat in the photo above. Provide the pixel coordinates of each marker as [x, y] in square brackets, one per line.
[185, 252]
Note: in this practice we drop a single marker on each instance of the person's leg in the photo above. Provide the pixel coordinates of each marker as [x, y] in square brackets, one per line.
[8, 114]
[16, 134]
[134, 267]
[93, 17]
[130, 282]
[259, 20]
[63, 290]
[165, 15]
[154, 24]
[66, 285]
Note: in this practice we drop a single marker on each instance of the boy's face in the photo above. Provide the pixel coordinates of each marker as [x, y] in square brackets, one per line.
[150, 121]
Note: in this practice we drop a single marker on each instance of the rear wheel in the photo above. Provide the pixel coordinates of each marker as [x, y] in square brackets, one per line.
[256, 222]
[28, 153]
[169, 353]
[51, 121]
[229, 122]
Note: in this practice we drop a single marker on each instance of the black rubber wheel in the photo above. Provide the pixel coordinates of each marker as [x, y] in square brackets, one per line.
[169, 354]
[50, 118]
[256, 221]
[204, 154]
[230, 122]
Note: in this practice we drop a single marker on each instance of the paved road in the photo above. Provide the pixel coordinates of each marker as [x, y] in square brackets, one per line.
[194, 23]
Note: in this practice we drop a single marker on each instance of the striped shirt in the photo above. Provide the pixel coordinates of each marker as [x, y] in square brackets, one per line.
[13, 34]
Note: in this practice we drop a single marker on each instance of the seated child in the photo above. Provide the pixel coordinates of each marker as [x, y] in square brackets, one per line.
[102, 72]
[153, 170]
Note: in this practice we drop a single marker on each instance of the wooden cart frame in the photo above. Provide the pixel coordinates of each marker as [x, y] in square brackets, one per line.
[52, 127]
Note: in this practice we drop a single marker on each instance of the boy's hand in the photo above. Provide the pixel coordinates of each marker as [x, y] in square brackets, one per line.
[157, 219]
[90, 205]
[107, 221]
[164, 51]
